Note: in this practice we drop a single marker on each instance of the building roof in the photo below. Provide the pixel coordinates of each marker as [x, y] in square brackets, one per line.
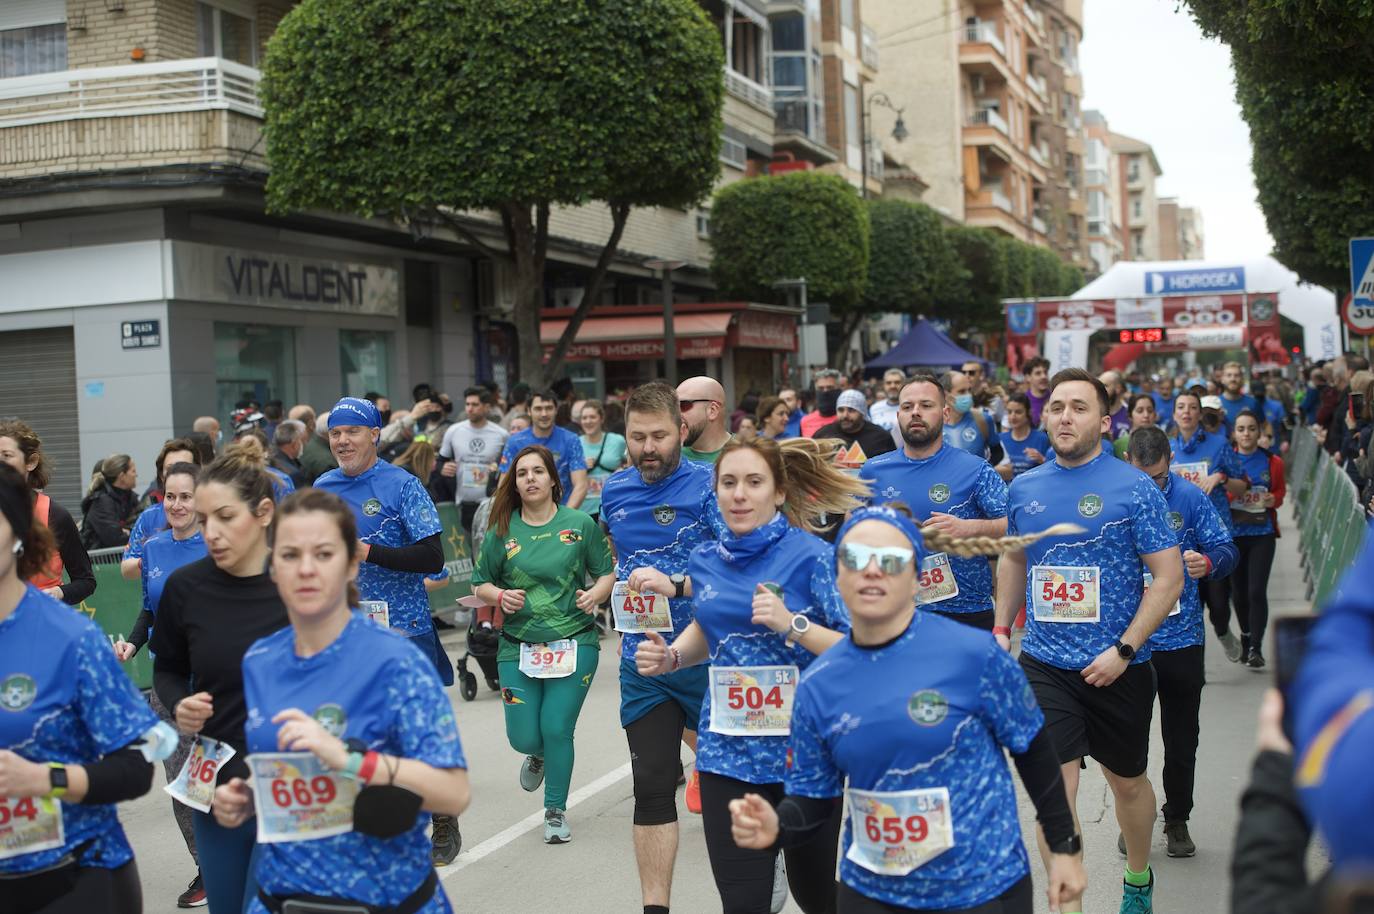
[1129, 145]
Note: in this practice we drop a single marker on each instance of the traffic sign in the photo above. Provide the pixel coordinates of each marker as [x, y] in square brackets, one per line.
[1362, 271]
[1359, 317]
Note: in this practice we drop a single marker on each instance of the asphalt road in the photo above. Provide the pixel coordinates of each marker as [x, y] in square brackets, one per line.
[505, 868]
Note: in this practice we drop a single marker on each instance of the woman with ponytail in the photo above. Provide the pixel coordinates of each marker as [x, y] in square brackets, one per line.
[765, 605]
[210, 613]
[109, 508]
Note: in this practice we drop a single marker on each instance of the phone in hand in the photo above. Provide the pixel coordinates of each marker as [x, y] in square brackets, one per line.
[1290, 647]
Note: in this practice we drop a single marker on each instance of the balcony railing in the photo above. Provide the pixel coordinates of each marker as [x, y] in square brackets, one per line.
[1039, 225]
[1096, 177]
[1001, 201]
[1040, 156]
[985, 32]
[741, 86]
[793, 115]
[869, 46]
[988, 117]
[1037, 85]
[197, 84]
[1036, 18]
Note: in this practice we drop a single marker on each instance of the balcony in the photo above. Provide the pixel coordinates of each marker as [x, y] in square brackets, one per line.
[988, 117]
[1037, 85]
[985, 33]
[1040, 155]
[990, 208]
[869, 47]
[745, 89]
[1039, 225]
[1095, 177]
[1035, 17]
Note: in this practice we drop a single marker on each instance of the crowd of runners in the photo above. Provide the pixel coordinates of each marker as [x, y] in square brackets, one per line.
[850, 603]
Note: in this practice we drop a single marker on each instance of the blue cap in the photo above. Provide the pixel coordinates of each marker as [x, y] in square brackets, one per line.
[888, 516]
[355, 411]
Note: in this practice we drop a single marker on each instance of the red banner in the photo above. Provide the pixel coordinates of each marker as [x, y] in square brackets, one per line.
[761, 330]
[699, 347]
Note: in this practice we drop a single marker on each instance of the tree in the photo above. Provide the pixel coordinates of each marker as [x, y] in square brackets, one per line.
[913, 266]
[423, 111]
[1046, 271]
[1070, 279]
[802, 225]
[979, 304]
[1020, 275]
[1302, 81]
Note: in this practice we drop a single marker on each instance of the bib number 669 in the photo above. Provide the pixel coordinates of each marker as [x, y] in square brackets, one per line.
[318, 791]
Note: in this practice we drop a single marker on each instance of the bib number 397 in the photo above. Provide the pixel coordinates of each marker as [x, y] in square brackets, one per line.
[637, 611]
[752, 700]
[554, 660]
[195, 784]
[896, 832]
[1066, 593]
[298, 799]
[29, 825]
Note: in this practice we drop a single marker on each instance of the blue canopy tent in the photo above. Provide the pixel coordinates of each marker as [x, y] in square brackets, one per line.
[923, 345]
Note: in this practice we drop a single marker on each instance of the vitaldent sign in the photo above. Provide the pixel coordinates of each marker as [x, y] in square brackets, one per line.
[1185, 282]
[203, 272]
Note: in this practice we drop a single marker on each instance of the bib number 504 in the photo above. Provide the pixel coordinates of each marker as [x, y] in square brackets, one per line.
[753, 697]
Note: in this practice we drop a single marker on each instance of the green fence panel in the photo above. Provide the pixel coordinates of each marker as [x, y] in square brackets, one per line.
[458, 560]
[1330, 520]
[115, 606]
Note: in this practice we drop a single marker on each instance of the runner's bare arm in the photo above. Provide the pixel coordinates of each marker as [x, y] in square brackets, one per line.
[967, 527]
[579, 489]
[1011, 590]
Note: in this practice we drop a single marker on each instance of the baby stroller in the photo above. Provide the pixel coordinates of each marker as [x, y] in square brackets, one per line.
[481, 642]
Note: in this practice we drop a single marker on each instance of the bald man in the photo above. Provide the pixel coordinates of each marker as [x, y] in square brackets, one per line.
[316, 458]
[210, 426]
[1120, 412]
[702, 401]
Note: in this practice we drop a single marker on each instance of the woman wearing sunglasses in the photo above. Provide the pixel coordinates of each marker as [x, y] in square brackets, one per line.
[765, 604]
[907, 720]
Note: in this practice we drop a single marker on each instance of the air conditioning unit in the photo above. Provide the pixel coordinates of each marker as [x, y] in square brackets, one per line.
[978, 83]
[495, 282]
[568, 297]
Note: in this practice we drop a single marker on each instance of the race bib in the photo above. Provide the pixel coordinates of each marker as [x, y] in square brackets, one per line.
[1193, 472]
[1178, 604]
[752, 700]
[298, 799]
[554, 660]
[195, 784]
[377, 611]
[937, 579]
[29, 825]
[594, 484]
[637, 612]
[1251, 501]
[474, 475]
[896, 832]
[1065, 593]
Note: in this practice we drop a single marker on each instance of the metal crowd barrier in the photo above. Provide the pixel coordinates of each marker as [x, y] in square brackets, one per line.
[1331, 521]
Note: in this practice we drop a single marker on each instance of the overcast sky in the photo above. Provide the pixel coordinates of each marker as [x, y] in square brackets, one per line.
[1154, 76]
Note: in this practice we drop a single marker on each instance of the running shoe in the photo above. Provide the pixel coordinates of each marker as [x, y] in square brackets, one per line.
[1180, 843]
[1256, 660]
[693, 794]
[446, 842]
[779, 885]
[532, 773]
[194, 896]
[556, 829]
[1138, 899]
[1231, 644]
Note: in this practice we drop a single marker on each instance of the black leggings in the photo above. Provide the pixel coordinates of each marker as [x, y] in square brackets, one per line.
[744, 878]
[1015, 900]
[656, 762]
[1217, 596]
[1250, 589]
[95, 891]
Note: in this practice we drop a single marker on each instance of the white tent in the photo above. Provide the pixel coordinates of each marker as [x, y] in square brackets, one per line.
[1310, 306]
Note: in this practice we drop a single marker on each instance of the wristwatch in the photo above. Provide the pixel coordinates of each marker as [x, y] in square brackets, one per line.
[57, 780]
[679, 583]
[1125, 650]
[1070, 845]
[798, 629]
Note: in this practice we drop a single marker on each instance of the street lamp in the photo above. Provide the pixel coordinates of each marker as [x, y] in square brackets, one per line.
[669, 337]
[899, 131]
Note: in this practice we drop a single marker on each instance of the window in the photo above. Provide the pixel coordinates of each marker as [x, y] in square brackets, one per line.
[1097, 204]
[733, 153]
[1133, 172]
[789, 32]
[226, 34]
[747, 51]
[39, 49]
[853, 140]
[703, 225]
[254, 361]
[1137, 207]
[847, 13]
[1137, 243]
[364, 361]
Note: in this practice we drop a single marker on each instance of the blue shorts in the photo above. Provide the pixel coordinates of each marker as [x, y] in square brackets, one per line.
[430, 645]
[641, 694]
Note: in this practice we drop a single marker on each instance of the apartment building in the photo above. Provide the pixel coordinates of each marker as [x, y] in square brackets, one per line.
[1101, 183]
[1180, 231]
[145, 285]
[1063, 204]
[1137, 172]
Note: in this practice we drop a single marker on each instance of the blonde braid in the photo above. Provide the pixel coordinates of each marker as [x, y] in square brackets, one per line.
[970, 546]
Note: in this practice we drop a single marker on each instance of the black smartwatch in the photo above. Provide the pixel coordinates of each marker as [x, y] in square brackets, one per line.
[1125, 650]
[679, 582]
[1070, 845]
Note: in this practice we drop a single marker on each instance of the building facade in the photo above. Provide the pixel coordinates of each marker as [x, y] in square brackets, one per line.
[1100, 181]
[1180, 231]
[1137, 172]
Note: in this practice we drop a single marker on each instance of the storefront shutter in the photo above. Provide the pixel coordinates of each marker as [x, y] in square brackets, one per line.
[38, 385]
[21, 14]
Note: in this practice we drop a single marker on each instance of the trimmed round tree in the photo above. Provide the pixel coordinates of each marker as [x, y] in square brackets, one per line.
[913, 266]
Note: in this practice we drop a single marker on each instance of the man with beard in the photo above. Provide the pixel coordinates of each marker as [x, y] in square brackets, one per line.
[656, 512]
[1086, 651]
[1118, 410]
[565, 446]
[702, 401]
[948, 489]
[862, 439]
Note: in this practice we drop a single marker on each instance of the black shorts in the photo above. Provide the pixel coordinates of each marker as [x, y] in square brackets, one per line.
[1110, 724]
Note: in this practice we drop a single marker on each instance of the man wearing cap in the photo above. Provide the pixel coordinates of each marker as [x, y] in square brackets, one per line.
[862, 438]
[399, 533]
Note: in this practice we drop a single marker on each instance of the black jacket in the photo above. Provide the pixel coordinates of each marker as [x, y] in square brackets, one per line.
[106, 516]
[1268, 870]
[874, 439]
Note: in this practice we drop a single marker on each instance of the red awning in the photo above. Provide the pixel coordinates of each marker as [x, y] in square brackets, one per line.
[698, 336]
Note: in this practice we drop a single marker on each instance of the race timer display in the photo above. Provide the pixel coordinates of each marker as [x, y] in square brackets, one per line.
[1142, 335]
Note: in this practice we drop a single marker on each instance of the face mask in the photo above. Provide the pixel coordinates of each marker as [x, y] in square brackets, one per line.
[963, 403]
[826, 401]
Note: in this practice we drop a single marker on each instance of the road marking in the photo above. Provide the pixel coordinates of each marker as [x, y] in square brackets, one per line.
[531, 822]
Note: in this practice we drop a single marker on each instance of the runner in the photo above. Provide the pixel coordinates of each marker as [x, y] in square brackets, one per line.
[771, 495]
[1204, 459]
[656, 512]
[1143, 415]
[1254, 518]
[605, 453]
[533, 565]
[153, 519]
[1176, 646]
[951, 491]
[1037, 386]
[75, 739]
[334, 676]
[210, 612]
[22, 449]
[827, 389]
[1234, 399]
[861, 438]
[1086, 647]
[565, 446]
[968, 427]
[702, 401]
[1023, 446]
[472, 448]
[772, 417]
[954, 842]
[884, 412]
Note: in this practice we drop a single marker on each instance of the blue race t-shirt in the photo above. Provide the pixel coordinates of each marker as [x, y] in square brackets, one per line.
[1274, 414]
[150, 522]
[1164, 408]
[1255, 468]
[967, 436]
[374, 686]
[162, 555]
[392, 509]
[63, 698]
[935, 708]
[950, 481]
[1199, 528]
[1125, 517]
[724, 577]
[1233, 408]
[566, 448]
[1204, 454]
[1016, 450]
[282, 485]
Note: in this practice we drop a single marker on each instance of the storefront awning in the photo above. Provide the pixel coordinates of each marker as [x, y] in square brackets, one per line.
[698, 336]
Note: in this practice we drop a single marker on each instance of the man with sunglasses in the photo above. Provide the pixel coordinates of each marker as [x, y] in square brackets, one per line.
[1176, 646]
[949, 489]
[702, 401]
